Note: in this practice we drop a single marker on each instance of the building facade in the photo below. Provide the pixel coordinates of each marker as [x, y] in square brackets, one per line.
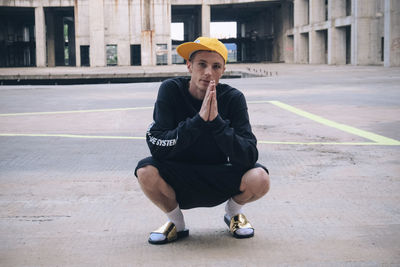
[98, 33]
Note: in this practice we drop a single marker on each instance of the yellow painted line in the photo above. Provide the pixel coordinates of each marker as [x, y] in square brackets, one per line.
[382, 140]
[377, 139]
[319, 143]
[258, 102]
[73, 136]
[90, 110]
[71, 111]
[143, 138]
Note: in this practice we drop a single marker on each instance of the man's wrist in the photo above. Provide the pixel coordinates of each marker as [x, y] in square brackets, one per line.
[217, 122]
[198, 121]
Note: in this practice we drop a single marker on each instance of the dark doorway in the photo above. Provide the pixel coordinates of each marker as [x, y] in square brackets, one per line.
[17, 37]
[348, 7]
[85, 56]
[60, 36]
[136, 55]
[190, 15]
[257, 28]
[348, 44]
[304, 48]
[322, 40]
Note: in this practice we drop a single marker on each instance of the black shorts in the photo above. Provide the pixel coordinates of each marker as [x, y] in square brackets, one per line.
[199, 185]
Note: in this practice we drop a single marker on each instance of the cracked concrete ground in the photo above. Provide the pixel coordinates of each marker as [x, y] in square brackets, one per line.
[69, 197]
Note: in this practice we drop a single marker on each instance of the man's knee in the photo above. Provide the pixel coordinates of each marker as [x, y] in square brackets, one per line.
[259, 181]
[148, 176]
[152, 183]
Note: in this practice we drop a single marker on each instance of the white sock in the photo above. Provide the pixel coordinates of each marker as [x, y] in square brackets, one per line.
[176, 216]
[232, 208]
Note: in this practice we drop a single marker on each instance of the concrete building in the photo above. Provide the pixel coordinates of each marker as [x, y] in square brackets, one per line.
[138, 32]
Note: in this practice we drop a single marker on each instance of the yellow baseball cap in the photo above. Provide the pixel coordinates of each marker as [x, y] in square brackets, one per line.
[202, 43]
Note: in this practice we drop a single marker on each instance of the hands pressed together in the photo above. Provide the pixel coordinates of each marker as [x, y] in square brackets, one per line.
[209, 108]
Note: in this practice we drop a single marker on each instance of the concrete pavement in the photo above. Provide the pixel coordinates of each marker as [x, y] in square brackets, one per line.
[329, 136]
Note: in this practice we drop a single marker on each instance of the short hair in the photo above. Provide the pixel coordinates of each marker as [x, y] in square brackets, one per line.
[191, 57]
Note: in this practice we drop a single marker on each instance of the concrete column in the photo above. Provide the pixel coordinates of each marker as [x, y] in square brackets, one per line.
[314, 47]
[301, 48]
[169, 35]
[205, 19]
[161, 13]
[40, 36]
[289, 49]
[392, 33]
[367, 40]
[337, 8]
[301, 12]
[96, 29]
[317, 47]
[317, 10]
[301, 9]
[124, 33]
[296, 46]
[167, 13]
[287, 41]
[77, 35]
[148, 34]
[281, 24]
[135, 21]
[148, 48]
[336, 46]
[297, 13]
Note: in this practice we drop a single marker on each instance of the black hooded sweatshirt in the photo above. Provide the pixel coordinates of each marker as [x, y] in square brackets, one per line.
[178, 133]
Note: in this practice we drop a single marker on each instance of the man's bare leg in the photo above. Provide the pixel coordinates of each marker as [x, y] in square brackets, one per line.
[254, 185]
[164, 197]
[156, 189]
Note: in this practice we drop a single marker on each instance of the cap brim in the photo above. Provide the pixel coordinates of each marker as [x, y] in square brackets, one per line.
[186, 49]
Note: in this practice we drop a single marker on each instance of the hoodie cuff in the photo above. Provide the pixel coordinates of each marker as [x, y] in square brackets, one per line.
[217, 123]
[198, 122]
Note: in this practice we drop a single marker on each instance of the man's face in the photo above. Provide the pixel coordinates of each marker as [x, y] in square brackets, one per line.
[204, 67]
